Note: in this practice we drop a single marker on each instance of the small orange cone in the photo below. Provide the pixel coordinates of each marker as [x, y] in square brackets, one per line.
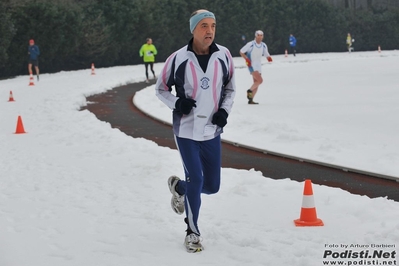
[11, 98]
[20, 127]
[31, 81]
[286, 53]
[93, 72]
[308, 211]
[379, 49]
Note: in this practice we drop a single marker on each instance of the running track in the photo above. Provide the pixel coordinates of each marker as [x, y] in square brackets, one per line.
[116, 107]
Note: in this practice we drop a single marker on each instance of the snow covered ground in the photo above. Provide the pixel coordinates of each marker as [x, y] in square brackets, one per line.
[336, 108]
[74, 191]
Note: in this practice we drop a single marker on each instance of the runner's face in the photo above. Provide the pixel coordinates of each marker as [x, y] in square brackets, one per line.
[204, 32]
[259, 37]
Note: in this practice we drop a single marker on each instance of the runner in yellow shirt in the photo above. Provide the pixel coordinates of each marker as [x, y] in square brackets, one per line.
[148, 52]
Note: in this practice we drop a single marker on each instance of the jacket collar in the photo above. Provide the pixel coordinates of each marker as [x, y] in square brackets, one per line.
[212, 48]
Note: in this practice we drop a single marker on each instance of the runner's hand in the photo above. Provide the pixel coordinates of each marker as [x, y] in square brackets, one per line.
[184, 105]
[248, 62]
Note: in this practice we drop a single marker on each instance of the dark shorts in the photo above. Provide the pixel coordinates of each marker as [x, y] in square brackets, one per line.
[34, 62]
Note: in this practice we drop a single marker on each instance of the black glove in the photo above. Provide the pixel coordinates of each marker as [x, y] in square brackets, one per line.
[220, 118]
[184, 105]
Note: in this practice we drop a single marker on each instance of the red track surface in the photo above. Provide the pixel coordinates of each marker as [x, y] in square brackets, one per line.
[116, 107]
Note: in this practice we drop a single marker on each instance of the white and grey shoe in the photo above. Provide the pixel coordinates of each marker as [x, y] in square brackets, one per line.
[192, 242]
[177, 201]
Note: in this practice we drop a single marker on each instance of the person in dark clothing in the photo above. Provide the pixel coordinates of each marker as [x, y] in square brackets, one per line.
[33, 52]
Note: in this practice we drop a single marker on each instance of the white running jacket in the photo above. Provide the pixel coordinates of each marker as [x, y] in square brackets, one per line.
[211, 90]
[255, 52]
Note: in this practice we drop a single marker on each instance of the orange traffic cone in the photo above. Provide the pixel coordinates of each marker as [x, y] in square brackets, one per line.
[20, 127]
[11, 98]
[31, 82]
[92, 69]
[308, 211]
[379, 49]
[286, 53]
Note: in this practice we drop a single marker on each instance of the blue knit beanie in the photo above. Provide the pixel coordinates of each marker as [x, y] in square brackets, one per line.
[194, 20]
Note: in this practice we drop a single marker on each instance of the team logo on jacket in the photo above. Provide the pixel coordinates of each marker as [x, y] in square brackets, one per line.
[205, 83]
